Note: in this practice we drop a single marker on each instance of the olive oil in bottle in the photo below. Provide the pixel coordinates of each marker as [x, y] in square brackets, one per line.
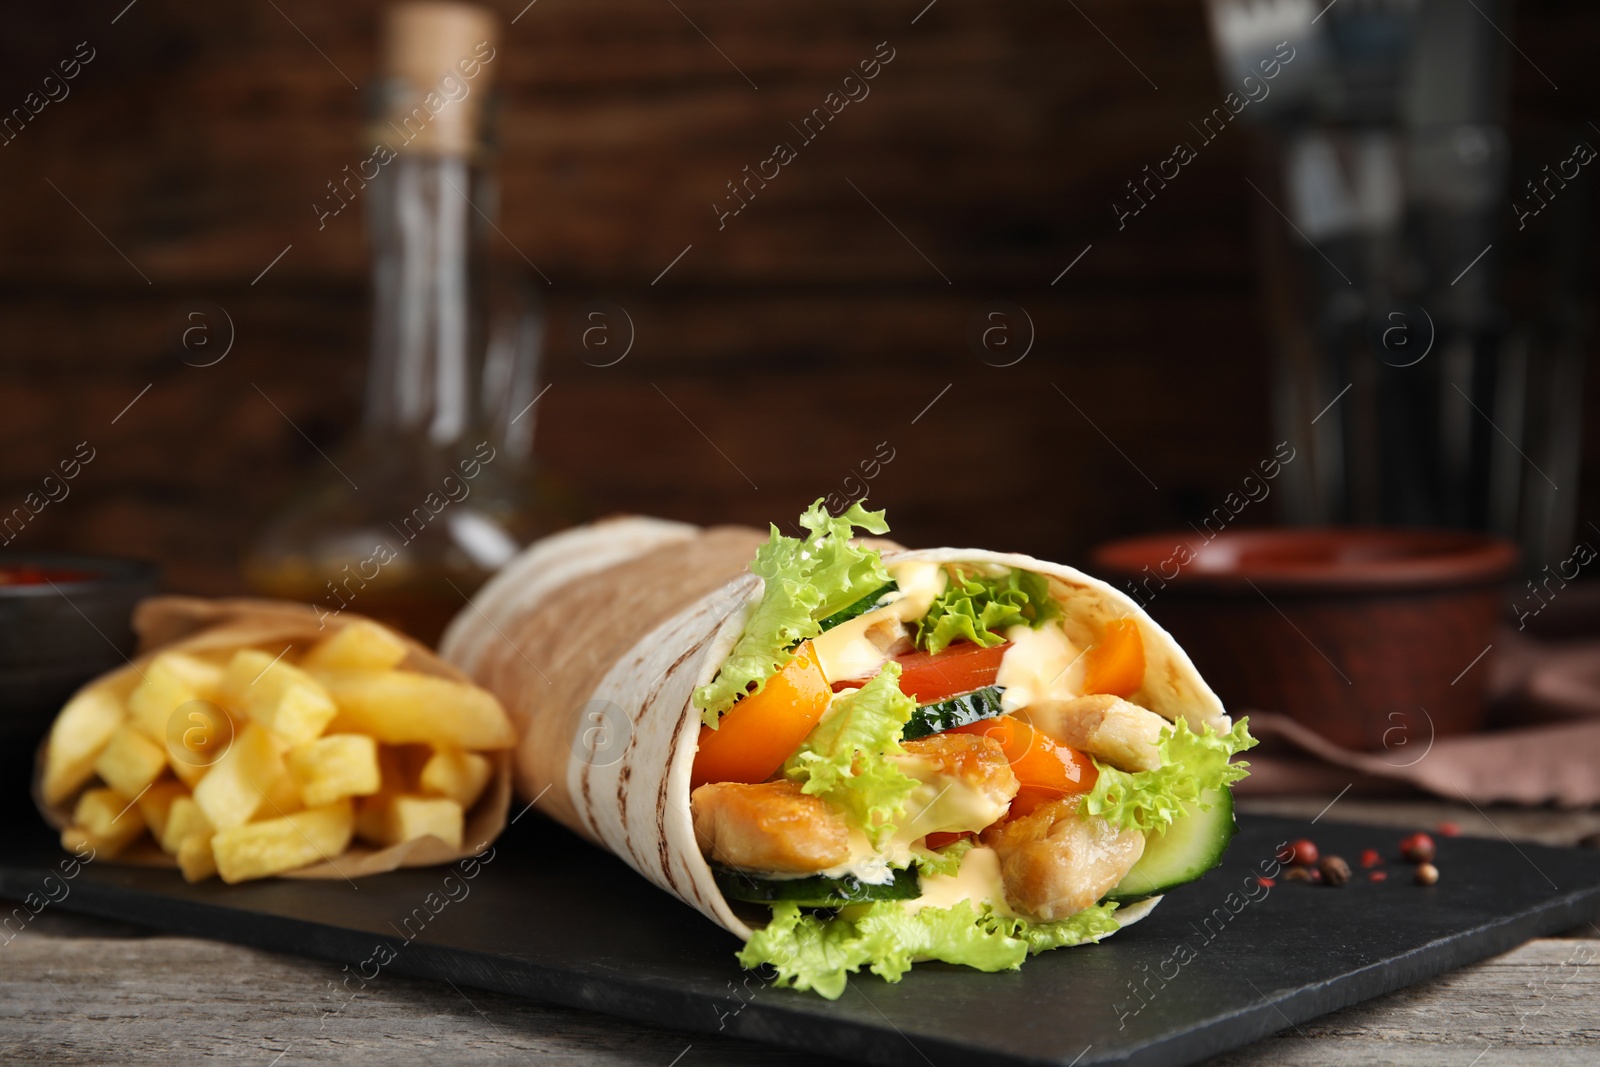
[437, 490]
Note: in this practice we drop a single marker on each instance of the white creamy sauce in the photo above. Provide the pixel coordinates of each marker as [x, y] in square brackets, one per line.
[870, 865]
[977, 880]
[1040, 665]
[944, 803]
[920, 585]
[939, 804]
[859, 647]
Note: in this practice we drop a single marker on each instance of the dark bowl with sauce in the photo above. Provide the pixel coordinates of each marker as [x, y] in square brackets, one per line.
[63, 620]
[1355, 632]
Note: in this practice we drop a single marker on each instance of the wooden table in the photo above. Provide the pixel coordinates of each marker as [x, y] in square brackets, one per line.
[80, 990]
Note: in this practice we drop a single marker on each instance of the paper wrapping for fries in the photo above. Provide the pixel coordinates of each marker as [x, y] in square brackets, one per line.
[595, 639]
[191, 624]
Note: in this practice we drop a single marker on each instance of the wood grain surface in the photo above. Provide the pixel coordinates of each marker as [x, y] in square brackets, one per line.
[83, 997]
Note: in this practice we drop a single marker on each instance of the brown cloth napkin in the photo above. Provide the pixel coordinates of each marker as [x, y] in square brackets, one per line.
[1541, 744]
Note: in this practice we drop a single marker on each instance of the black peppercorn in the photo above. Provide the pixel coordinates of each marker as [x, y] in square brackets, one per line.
[1335, 871]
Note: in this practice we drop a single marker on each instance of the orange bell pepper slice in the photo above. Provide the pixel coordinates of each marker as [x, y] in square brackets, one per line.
[756, 735]
[1046, 769]
[1116, 664]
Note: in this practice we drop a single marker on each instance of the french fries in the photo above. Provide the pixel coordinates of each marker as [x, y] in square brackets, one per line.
[236, 786]
[130, 761]
[106, 820]
[170, 681]
[259, 761]
[195, 858]
[184, 820]
[388, 819]
[282, 698]
[155, 804]
[284, 843]
[199, 734]
[80, 732]
[339, 765]
[361, 646]
[401, 707]
[460, 776]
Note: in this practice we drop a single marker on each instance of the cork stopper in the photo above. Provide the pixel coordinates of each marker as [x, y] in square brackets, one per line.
[438, 68]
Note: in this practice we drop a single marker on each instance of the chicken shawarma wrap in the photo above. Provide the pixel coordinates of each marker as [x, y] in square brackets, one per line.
[852, 755]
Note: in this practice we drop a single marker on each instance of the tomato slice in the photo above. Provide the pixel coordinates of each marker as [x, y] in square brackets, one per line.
[1046, 769]
[940, 838]
[961, 668]
[1116, 664]
[756, 735]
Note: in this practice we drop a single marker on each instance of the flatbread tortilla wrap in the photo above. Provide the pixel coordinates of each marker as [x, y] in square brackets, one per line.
[850, 754]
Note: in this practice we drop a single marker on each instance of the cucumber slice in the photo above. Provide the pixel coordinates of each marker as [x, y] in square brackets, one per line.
[867, 603]
[957, 711]
[815, 891]
[1190, 847]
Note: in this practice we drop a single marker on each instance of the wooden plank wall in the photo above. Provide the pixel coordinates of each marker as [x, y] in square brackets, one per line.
[798, 336]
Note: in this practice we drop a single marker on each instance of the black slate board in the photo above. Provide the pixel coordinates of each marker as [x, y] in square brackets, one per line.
[551, 918]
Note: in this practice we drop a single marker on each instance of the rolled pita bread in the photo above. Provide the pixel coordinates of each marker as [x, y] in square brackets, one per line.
[595, 639]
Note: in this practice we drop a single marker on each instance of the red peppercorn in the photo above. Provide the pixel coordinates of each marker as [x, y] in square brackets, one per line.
[1449, 829]
[1266, 882]
[1418, 848]
[1370, 857]
[1303, 852]
[1377, 876]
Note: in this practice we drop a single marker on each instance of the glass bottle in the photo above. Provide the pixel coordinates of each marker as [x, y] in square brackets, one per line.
[437, 490]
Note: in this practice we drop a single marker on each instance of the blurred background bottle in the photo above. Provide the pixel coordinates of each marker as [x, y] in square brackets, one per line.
[438, 489]
[1428, 340]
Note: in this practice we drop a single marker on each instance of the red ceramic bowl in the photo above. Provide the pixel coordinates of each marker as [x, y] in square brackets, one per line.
[1354, 632]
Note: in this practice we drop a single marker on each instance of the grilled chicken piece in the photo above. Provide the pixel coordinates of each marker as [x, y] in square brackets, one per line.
[972, 760]
[1055, 862]
[889, 635]
[966, 783]
[1123, 734]
[771, 826]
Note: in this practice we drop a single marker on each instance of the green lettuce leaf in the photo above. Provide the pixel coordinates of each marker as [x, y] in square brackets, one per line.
[1191, 764]
[963, 933]
[1090, 924]
[841, 572]
[946, 860]
[802, 581]
[978, 609]
[810, 951]
[848, 758]
[807, 952]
